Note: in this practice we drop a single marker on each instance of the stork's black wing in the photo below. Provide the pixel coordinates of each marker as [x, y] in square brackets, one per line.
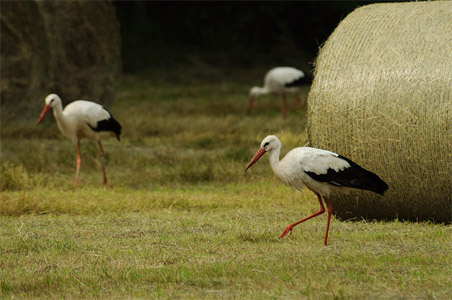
[109, 124]
[353, 176]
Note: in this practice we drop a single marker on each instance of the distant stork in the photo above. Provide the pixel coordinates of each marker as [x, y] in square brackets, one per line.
[82, 119]
[280, 81]
[321, 171]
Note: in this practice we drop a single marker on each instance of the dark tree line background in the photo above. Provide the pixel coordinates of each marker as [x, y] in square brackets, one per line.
[226, 34]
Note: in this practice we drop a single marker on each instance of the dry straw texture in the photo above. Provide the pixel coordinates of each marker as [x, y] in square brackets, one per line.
[382, 96]
[71, 48]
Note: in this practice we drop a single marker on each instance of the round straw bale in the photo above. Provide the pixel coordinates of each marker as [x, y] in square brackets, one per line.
[382, 96]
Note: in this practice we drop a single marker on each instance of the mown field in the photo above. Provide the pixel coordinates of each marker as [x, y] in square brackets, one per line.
[181, 220]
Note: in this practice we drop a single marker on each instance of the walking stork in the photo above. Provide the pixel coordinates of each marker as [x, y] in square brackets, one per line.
[323, 172]
[280, 81]
[82, 119]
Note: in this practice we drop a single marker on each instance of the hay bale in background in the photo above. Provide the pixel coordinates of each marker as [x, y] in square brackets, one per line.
[67, 47]
[24, 58]
[382, 96]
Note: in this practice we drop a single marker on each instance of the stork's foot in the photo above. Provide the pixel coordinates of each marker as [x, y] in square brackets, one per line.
[286, 231]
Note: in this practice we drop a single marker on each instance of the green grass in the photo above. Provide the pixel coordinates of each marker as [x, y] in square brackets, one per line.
[210, 242]
[182, 220]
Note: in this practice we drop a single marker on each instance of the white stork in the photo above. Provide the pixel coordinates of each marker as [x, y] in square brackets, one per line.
[82, 119]
[280, 81]
[323, 172]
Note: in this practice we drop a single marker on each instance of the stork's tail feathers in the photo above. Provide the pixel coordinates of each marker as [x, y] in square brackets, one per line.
[116, 128]
[365, 179]
[374, 183]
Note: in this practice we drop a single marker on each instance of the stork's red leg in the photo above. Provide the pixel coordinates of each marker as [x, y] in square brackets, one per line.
[285, 106]
[102, 158]
[250, 105]
[291, 226]
[79, 161]
[330, 211]
[297, 101]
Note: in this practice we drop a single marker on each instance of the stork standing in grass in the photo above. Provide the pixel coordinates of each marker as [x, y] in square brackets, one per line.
[82, 119]
[280, 81]
[323, 172]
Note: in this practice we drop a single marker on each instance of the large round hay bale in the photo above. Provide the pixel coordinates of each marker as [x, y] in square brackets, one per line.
[382, 96]
[24, 57]
[71, 48]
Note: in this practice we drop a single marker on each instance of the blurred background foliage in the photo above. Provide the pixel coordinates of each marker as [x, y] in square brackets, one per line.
[227, 35]
[79, 49]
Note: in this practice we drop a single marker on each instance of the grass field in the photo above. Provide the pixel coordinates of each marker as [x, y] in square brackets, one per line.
[182, 220]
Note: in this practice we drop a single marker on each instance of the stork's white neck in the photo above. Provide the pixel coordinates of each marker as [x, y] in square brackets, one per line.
[273, 157]
[263, 90]
[58, 109]
[278, 169]
[60, 118]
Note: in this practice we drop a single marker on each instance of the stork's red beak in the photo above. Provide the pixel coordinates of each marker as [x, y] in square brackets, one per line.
[255, 158]
[43, 113]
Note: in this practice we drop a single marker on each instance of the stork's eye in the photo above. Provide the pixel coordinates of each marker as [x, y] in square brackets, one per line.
[266, 144]
[52, 101]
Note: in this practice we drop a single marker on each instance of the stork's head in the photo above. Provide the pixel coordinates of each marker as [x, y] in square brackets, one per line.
[51, 101]
[270, 143]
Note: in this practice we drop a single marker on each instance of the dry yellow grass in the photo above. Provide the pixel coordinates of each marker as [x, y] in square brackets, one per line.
[209, 242]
